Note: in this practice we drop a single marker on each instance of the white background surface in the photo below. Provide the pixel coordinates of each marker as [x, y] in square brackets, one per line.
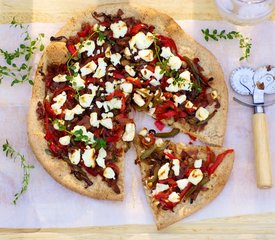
[48, 204]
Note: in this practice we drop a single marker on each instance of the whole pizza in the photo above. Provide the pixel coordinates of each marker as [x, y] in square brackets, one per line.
[108, 62]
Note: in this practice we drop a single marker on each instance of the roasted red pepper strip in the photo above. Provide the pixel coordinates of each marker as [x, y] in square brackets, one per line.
[135, 81]
[218, 160]
[85, 32]
[162, 195]
[135, 29]
[210, 158]
[169, 155]
[151, 142]
[72, 50]
[159, 124]
[168, 42]
[166, 115]
[172, 183]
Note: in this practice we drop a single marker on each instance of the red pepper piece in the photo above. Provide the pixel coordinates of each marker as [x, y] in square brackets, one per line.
[85, 31]
[210, 158]
[135, 29]
[135, 81]
[118, 75]
[166, 115]
[159, 124]
[170, 181]
[151, 142]
[168, 42]
[218, 161]
[72, 50]
[169, 155]
[162, 195]
[182, 114]
[48, 109]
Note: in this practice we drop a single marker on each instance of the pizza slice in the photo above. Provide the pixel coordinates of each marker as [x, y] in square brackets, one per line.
[180, 179]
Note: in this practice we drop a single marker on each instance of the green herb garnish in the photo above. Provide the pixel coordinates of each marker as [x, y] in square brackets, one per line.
[100, 143]
[20, 73]
[244, 42]
[11, 153]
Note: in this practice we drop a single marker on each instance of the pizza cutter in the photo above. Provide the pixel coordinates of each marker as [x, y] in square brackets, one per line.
[247, 81]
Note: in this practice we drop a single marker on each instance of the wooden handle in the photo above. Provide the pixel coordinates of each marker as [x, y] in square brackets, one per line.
[262, 152]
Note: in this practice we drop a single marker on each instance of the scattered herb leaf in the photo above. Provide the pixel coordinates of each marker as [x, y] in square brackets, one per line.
[244, 42]
[20, 73]
[11, 153]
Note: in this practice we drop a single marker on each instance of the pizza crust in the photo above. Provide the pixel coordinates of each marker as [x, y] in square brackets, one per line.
[216, 184]
[213, 133]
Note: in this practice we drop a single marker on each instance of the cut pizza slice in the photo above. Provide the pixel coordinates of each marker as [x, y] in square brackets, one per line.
[180, 179]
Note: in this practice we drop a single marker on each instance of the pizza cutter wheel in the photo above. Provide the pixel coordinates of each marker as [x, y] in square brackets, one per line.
[247, 81]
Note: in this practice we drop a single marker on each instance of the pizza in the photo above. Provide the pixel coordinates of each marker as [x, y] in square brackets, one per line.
[180, 179]
[98, 68]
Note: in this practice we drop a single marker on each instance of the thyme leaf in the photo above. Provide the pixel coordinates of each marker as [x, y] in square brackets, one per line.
[244, 42]
[12, 153]
[17, 72]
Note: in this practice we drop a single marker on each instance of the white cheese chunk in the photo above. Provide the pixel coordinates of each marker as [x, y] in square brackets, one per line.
[130, 70]
[75, 156]
[143, 41]
[84, 133]
[147, 55]
[198, 163]
[195, 176]
[86, 99]
[65, 140]
[154, 82]
[214, 94]
[138, 100]
[93, 120]
[101, 69]
[77, 82]
[186, 75]
[89, 157]
[182, 183]
[166, 52]
[86, 46]
[69, 114]
[98, 27]
[59, 102]
[164, 171]
[174, 197]
[174, 62]
[115, 58]
[107, 115]
[109, 87]
[107, 122]
[180, 84]
[100, 160]
[60, 78]
[76, 67]
[143, 132]
[109, 173]
[100, 42]
[88, 68]
[176, 167]
[160, 188]
[189, 104]
[126, 87]
[202, 113]
[119, 29]
[129, 134]
[158, 74]
[147, 74]
[179, 99]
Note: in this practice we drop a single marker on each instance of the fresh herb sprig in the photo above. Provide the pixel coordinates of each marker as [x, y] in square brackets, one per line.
[21, 72]
[12, 153]
[244, 42]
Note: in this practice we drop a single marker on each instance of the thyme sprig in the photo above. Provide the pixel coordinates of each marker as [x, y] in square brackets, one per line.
[21, 72]
[12, 153]
[244, 42]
